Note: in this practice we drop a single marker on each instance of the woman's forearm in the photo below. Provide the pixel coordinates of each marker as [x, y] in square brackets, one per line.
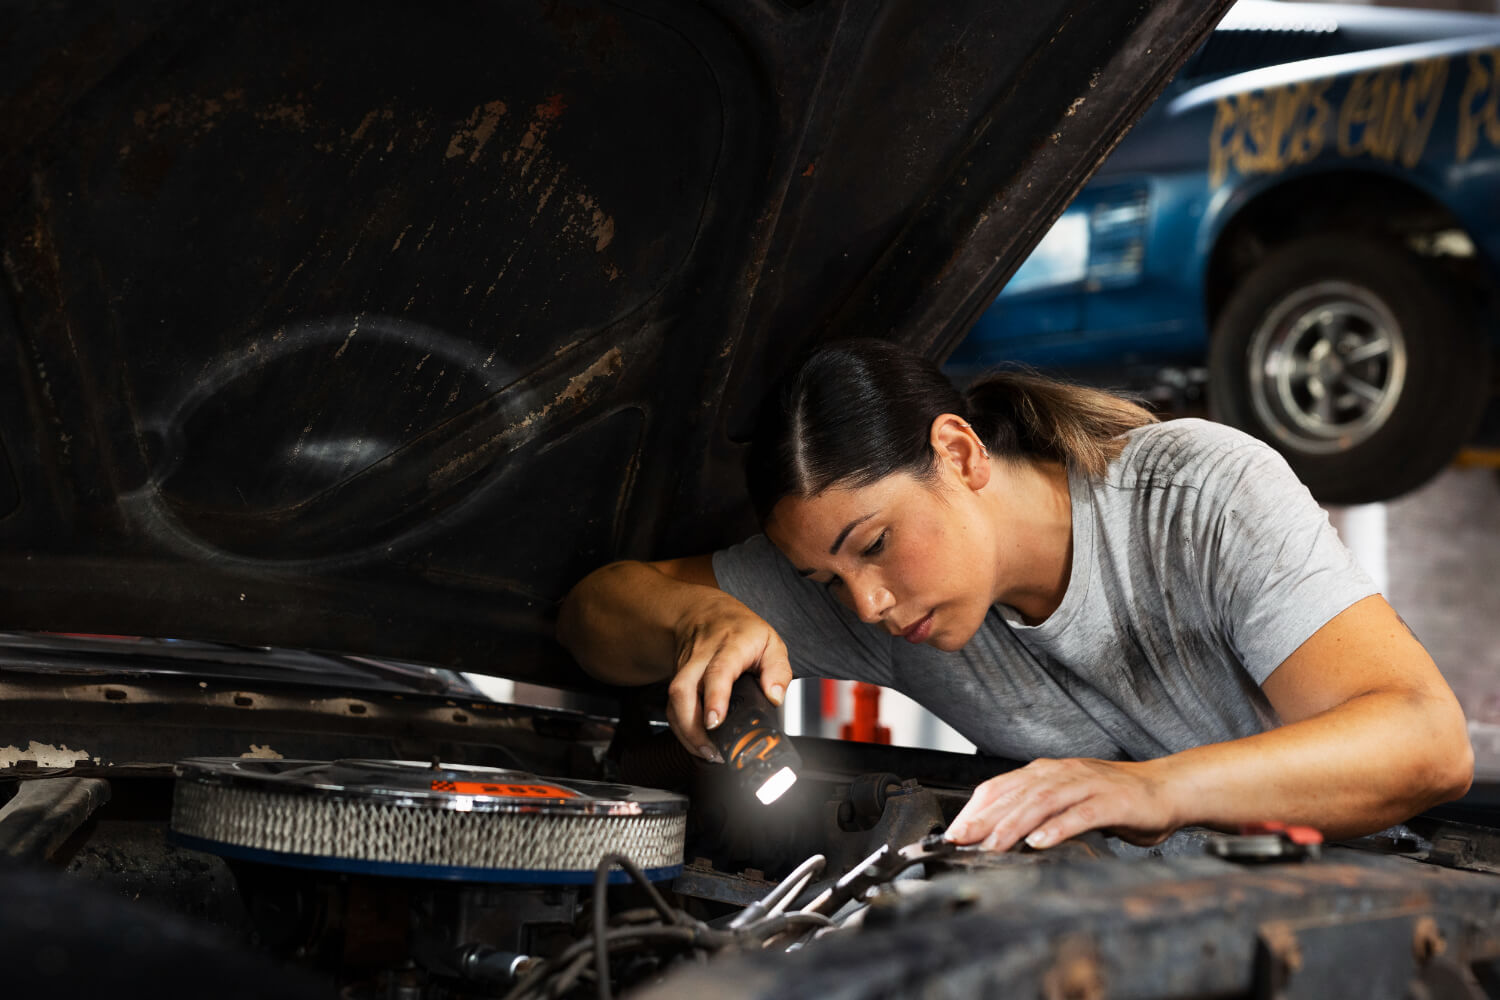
[1359, 767]
[1372, 761]
[619, 622]
[636, 623]
[1373, 735]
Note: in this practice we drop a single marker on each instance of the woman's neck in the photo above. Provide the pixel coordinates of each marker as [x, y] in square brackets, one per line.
[1034, 522]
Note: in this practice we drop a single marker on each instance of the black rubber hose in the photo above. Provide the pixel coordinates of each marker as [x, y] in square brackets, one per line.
[46, 812]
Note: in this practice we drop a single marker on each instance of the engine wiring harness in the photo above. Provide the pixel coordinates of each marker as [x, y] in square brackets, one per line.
[766, 923]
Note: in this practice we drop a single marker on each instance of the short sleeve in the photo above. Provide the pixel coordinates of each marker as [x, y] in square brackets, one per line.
[1274, 566]
[823, 638]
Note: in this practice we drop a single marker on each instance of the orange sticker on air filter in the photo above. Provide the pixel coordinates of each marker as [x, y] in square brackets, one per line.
[504, 791]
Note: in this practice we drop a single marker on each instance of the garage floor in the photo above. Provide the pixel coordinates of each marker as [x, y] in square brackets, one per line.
[1443, 561]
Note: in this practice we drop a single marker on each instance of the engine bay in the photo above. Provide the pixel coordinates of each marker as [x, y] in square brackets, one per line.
[493, 865]
[371, 846]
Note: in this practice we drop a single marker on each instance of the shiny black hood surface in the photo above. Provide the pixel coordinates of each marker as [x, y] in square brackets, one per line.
[372, 327]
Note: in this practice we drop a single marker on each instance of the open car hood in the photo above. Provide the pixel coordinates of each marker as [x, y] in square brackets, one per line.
[372, 327]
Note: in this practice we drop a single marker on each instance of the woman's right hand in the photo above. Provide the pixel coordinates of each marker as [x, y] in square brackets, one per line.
[641, 623]
[718, 638]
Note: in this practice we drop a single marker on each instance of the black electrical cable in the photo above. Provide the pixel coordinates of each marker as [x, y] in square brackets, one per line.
[619, 942]
[601, 885]
[644, 915]
[567, 977]
[562, 973]
[601, 946]
[616, 938]
[601, 876]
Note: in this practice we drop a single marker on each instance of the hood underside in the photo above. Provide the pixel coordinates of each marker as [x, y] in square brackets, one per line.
[372, 327]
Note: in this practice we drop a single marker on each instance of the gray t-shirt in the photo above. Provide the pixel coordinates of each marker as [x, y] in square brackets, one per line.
[1200, 563]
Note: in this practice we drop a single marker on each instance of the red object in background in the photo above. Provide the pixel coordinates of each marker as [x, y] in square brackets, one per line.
[828, 706]
[1296, 834]
[866, 727]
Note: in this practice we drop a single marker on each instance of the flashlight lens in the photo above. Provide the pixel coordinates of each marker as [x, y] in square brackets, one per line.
[776, 785]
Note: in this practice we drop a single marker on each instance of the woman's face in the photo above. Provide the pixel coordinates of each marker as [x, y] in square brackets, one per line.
[916, 558]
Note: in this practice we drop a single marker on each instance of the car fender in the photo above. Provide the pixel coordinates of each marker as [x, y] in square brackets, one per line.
[1423, 117]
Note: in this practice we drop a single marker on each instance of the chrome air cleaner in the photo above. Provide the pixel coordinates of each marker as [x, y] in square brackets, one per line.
[410, 819]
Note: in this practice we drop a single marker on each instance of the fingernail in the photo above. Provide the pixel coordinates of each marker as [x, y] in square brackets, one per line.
[777, 693]
[958, 831]
[710, 754]
[1038, 839]
[713, 719]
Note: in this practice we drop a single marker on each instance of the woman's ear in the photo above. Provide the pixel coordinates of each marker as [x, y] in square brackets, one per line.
[960, 452]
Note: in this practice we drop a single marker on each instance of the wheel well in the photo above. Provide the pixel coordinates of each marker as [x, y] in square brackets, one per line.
[1343, 201]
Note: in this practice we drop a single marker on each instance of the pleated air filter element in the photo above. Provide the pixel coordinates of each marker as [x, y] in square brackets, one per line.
[422, 821]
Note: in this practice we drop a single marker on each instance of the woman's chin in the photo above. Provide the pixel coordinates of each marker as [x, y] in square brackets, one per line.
[951, 640]
[947, 642]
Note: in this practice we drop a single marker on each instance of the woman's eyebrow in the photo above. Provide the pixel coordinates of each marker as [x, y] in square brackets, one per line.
[845, 533]
[839, 540]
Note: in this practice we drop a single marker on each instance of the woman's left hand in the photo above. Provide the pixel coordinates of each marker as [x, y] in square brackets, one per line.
[1048, 801]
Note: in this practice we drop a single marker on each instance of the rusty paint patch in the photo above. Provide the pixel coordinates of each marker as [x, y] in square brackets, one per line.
[295, 115]
[370, 118]
[358, 134]
[600, 226]
[552, 109]
[347, 338]
[1075, 975]
[198, 115]
[477, 131]
[45, 264]
[546, 197]
[1192, 894]
[607, 366]
[423, 241]
[43, 755]
[1427, 940]
[1284, 950]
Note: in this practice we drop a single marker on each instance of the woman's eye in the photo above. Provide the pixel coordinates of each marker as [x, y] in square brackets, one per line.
[833, 582]
[874, 547]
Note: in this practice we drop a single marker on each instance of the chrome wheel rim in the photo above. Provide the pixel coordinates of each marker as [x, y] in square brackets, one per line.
[1327, 366]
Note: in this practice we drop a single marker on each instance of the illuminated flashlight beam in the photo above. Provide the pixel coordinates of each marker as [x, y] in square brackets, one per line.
[776, 785]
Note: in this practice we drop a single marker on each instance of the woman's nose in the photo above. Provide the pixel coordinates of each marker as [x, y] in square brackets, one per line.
[871, 601]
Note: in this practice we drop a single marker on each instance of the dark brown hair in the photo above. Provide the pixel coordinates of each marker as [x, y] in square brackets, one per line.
[857, 411]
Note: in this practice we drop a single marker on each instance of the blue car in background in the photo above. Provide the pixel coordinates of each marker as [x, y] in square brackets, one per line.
[1311, 213]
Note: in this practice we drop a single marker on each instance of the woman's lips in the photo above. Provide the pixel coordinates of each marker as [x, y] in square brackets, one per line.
[920, 630]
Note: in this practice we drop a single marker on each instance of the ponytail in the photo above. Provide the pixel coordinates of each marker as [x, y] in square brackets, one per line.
[1022, 415]
[857, 411]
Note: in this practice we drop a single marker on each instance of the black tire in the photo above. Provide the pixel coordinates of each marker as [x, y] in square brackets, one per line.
[1313, 316]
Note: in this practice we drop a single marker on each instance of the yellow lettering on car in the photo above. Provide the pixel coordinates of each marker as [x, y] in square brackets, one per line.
[1388, 113]
[1479, 107]
[1264, 131]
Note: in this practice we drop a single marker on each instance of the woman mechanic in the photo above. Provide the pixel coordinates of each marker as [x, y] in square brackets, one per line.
[1158, 613]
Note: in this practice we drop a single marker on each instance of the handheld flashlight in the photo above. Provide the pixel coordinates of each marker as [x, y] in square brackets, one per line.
[757, 753]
